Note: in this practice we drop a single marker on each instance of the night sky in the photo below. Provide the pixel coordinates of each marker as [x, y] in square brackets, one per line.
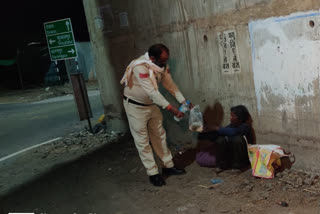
[22, 22]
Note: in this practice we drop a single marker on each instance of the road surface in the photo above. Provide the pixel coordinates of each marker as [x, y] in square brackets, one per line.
[28, 124]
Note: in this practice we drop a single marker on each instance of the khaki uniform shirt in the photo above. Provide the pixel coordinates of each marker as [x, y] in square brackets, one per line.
[143, 91]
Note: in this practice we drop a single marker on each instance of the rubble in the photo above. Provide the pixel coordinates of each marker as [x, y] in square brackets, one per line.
[86, 138]
[190, 193]
[246, 194]
[43, 158]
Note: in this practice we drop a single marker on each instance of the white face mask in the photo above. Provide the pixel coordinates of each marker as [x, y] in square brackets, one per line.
[160, 65]
[163, 69]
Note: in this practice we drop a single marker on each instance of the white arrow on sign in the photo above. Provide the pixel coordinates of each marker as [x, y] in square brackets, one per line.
[51, 41]
[68, 25]
[71, 51]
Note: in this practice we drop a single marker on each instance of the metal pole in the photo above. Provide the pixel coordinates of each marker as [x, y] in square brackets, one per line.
[77, 64]
[86, 106]
[90, 127]
[67, 62]
[57, 69]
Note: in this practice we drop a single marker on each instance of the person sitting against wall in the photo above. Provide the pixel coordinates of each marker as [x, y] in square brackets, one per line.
[228, 148]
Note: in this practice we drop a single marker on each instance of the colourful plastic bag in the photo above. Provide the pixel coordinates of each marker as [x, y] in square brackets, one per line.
[263, 158]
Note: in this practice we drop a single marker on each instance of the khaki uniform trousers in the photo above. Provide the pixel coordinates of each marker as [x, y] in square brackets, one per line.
[146, 126]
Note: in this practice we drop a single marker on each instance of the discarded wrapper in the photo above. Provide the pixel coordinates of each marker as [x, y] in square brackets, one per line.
[216, 181]
[282, 203]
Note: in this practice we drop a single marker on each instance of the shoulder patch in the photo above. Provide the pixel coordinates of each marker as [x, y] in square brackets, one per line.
[143, 75]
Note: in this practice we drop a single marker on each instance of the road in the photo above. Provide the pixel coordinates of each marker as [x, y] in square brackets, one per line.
[28, 124]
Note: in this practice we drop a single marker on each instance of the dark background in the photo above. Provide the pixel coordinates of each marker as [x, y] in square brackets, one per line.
[22, 23]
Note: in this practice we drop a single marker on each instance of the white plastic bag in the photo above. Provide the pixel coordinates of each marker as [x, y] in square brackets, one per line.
[195, 119]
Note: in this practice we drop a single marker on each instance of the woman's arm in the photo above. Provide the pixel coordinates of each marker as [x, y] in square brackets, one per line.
[243, 129]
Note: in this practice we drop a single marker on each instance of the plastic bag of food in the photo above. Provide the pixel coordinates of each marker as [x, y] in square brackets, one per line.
[195, 119]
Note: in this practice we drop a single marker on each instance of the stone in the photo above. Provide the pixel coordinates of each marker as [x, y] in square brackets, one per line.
[106, 135]
[68, 142]
[303, 173]
[243, 185]
[250, 188]
[300, 182]
[45, 155]
[269, 185]
[308, 181]
[265, 196]
[182, 209]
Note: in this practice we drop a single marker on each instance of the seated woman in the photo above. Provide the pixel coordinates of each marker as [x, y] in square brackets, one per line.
[229, 144]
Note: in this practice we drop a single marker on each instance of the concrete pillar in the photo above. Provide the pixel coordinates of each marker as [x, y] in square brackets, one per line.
[109, 85]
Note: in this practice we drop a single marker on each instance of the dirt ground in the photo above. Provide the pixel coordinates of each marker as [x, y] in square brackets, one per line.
[113, 180]
[36, 94]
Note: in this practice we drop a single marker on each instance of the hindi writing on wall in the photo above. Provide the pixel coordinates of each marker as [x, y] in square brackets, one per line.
[229, 54]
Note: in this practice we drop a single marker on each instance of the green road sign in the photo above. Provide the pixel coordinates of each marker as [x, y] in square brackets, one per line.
[66, 52]
[60, 39]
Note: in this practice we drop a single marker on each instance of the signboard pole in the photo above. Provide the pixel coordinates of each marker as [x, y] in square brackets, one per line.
[85, 97]
[57, 70]
[61, 45]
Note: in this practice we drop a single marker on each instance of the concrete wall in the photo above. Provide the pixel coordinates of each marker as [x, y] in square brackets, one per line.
[195, 31]
[285, 55]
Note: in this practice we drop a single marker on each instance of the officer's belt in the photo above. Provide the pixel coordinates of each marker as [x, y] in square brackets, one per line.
[134, 102]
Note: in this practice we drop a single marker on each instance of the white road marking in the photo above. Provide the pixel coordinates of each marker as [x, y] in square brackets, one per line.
[27, 149]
